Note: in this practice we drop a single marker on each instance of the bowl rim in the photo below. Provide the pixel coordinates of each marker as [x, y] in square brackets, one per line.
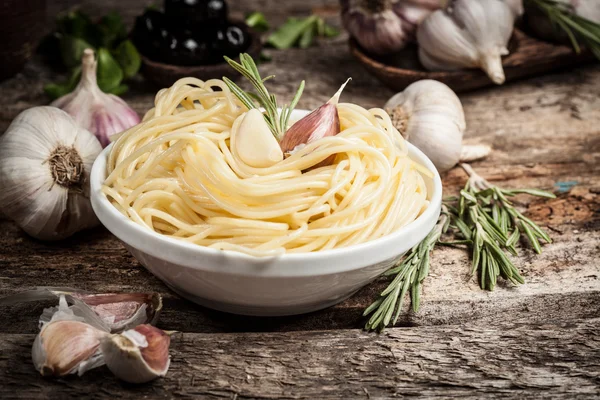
[109, 215]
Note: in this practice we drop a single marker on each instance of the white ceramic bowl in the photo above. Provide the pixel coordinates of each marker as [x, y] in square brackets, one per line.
[241, 284]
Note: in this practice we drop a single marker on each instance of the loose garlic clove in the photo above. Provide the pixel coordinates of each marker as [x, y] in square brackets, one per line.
[254, 142]
[468, 34]
[66, 347]
[138, 355]
[322, 122]
[112, 312]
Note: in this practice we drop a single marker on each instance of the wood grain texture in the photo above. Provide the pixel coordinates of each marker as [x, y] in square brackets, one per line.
[463, 362]
[536, 340]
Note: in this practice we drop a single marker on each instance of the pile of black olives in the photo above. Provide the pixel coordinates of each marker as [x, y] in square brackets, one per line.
[190, 32]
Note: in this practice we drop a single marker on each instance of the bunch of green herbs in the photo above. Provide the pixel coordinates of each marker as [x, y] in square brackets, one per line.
[117, 57]
[484, 219]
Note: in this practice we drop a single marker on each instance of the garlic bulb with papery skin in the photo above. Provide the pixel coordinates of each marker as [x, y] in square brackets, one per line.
[467, 34]
[138, 355]
[100, 113]
[429, 115]
[45, 163]
[384, 26]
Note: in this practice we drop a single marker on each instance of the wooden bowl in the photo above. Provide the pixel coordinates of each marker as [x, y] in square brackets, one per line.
[164, 75]
[528, 57]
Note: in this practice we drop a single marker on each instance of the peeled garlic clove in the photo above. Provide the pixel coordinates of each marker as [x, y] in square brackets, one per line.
[322, 122]
[429, 115]
[138, 355]
[102, 114]
[66, 347]
[469, 33]
[254, 142]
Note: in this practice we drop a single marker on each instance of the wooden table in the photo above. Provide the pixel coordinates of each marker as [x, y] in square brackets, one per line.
[539, 339]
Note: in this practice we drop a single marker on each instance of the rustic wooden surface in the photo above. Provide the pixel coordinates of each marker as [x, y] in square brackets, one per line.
[536, 340]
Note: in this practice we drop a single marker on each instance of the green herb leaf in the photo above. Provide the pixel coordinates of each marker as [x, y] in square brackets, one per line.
[290, 32]
[276, 120]
[257, 21]
[577, 28]
[307, 37]
[119, 90]
[74, 23]
[109, 72]
[71, 50]
[56, 90]
[112, 29]
[128, 58]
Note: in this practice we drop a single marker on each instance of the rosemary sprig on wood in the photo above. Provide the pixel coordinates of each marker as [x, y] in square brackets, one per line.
[276, 120]
[409, 274]
[484, 219]
[576, 27]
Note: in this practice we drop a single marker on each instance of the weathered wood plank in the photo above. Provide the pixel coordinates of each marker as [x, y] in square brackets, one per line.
[517, 361]
[562, 284]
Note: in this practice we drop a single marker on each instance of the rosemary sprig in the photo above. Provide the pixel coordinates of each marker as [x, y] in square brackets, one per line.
[409, 274]
[481, 217]
[576, 27]
[276, 120]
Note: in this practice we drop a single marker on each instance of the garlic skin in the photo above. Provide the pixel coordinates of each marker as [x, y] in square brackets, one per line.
[100, 113]
[467, 34]
[138, 355]
[322, 122]
[516, 6]
[254, 142]
[384, 26]
[45, 162]
[67, 343]
[66, 347]
[429, 115]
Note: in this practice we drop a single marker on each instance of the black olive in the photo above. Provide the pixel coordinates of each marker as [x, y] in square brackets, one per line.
[187, 48]
[149, 33]
[189, 12]
[232, 40]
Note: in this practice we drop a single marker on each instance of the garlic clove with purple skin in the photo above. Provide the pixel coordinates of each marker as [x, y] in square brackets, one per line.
[322, 122]
[137, 355]
[66, 347]
[102, 114]
[114, 312]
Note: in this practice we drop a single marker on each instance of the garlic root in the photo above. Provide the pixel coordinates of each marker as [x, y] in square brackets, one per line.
[474, 152]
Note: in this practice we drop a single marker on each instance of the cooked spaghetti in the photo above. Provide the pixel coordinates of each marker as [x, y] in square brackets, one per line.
[178, 174]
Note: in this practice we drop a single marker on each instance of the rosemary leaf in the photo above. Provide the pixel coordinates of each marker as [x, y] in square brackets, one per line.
[277, 120]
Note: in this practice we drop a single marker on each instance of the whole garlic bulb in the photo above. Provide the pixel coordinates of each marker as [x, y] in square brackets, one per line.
[384, 26]
[467, 34]
[45, 162]
[429, 115]
[100, 113]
